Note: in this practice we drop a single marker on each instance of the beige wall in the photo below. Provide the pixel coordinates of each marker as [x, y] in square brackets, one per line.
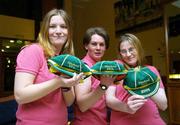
[153, 42]
[94, 13]
[101, 13]
[14, 27]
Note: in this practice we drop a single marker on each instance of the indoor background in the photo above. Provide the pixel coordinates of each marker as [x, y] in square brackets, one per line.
[148, 19]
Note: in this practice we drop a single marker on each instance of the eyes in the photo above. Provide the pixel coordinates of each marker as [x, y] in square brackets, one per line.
[125, 51]
[54, 26]
[96, 44]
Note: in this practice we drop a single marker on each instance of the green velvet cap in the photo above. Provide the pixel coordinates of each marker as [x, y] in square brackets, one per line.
[141, 81]
[109, 68]
[68, 64]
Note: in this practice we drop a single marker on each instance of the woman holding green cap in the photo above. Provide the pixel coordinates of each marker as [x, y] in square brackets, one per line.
[90, 107]
[39, 93]
[134, 109]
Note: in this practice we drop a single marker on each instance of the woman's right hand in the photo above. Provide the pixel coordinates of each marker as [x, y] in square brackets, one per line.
[135, 102]
[69, 82]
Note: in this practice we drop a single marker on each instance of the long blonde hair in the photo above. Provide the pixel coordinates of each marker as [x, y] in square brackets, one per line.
[43, 36]
[134, 41]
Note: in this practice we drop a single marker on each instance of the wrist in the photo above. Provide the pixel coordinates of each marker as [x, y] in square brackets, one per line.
[103, 87]
[65, 89]
[128, 109]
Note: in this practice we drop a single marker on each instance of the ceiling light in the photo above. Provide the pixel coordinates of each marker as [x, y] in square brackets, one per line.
[11, 41]
[7, 47]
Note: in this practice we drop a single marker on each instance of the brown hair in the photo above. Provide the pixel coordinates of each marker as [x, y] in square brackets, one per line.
[96, 30]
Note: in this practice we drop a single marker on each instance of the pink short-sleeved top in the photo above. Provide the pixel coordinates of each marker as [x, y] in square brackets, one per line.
[97, 114]
[49, 110]
[147, 115]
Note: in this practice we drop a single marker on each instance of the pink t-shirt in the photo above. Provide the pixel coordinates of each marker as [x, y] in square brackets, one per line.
[97, 114]
[146, 115]
[49, 110]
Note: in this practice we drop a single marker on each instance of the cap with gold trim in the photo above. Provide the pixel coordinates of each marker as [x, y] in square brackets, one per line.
[68, 64]
[141, 81]
[109, 68]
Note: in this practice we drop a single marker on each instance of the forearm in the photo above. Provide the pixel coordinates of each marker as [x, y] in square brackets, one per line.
[118, 105]
[114, 103]
[86, 101]
[34, 92]
[25, 90]
[160, 99]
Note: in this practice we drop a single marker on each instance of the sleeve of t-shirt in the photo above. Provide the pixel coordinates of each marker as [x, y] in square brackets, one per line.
[29, 60]
[153, 69]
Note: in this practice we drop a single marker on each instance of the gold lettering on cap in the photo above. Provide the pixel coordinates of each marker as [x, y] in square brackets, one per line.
[109, 68]
[72, 65]
[144, 81]
[145, 90]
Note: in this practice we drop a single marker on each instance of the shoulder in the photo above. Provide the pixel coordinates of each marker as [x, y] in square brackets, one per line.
[32, 47]
[31, 51]
[31, 58]
[153, 69]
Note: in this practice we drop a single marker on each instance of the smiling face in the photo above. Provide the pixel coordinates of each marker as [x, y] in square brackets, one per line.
[58, 32]
[96, 47]
[128, 53]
